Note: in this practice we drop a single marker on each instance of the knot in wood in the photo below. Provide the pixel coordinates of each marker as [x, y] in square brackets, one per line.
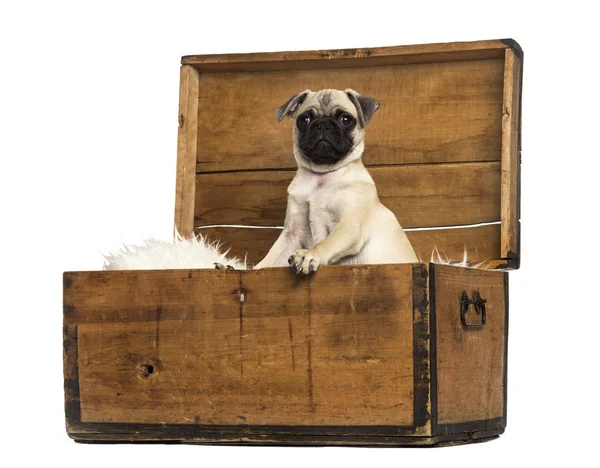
[146, 370]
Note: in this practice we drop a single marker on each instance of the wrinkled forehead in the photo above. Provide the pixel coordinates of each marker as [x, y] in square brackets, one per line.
[327, 101]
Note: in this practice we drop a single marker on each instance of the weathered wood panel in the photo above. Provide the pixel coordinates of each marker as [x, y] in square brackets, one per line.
[482, 242]
[179, 347]
[470, 361]
[511, 158]
[187, 149]
[419, 195]
[373, 56]
[436, 112]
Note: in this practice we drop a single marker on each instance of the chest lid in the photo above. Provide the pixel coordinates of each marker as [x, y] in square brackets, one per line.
[443, 149]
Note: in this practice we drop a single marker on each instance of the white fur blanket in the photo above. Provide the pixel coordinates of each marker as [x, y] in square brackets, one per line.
[153, 254]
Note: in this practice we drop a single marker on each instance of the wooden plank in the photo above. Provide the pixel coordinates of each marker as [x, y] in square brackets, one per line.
[437, 112]
[282, 356]
[510, 158]
[126, 296]
[187, 142]
[192, 435]
[482, 242]
[420, 53]
[420, 195]
[252, 244]
[470, 362]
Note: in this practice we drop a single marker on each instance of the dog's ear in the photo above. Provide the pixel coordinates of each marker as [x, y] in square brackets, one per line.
[291, 106]
[365, 106]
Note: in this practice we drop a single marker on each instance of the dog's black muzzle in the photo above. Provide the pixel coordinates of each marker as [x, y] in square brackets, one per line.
[325, 141]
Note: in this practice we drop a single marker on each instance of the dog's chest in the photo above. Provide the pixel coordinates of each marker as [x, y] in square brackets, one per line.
[313, 195]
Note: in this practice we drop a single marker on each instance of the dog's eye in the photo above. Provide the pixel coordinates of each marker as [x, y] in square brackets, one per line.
[346, 120]
[304, 120]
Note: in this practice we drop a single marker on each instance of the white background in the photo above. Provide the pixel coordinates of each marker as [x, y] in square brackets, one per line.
[88, 127]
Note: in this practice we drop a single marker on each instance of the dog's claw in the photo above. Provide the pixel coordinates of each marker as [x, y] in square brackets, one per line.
[304, 261]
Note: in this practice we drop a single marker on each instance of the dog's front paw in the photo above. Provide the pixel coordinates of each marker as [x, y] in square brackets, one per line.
[220, 266]
[304, 261]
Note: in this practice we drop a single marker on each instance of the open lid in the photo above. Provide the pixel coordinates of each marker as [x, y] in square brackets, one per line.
[443, 149]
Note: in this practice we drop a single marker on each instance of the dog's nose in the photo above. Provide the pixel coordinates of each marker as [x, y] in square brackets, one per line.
[324, 126]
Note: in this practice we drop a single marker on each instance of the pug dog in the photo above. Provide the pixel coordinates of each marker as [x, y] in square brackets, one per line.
[334, 215]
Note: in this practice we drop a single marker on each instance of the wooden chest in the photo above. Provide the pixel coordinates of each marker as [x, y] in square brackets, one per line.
[408, 354]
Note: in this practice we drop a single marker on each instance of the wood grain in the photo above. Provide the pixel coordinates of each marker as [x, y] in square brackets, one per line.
[419, 195]
[187, 141]
[373, 56]
[482, 242]
[283, 356]
[436, 112]
[510, 156]
[470, 362]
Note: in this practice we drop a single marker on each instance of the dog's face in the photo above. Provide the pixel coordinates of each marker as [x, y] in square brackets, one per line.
[329, 126]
